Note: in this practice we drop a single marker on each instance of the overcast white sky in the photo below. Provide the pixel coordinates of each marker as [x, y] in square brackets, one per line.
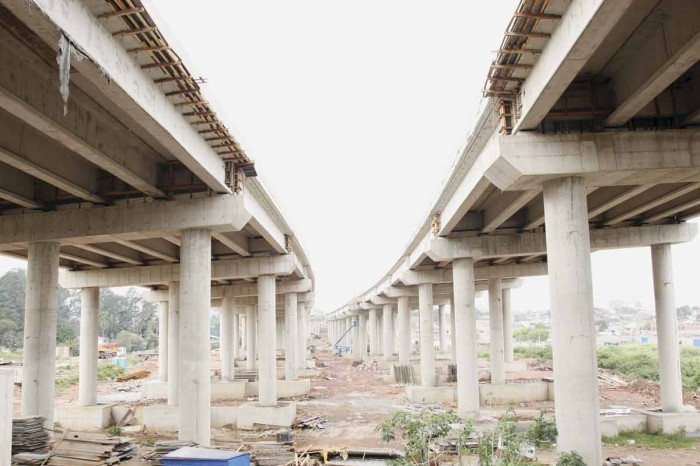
[354, 112]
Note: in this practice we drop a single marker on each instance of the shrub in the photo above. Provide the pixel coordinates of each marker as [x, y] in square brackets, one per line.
[108, 371]
[418, 432]
[570, 458]
[542, 431]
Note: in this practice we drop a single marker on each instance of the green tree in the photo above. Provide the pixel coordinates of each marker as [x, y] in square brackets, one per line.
[131, 341]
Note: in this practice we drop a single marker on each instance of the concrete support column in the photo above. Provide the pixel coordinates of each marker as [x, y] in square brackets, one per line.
[427, 338]
[89, 328]
[7, 392]
[453, 333]
[236, 327]
[267, 320]
[465, 331]
[291, 332]
[388, 332]
[404, 331]
[372, 325]
[380, 333]
[573, 326]
[362, 334]
[251, 340]
[163, 341]
[356, 346]
[302, 343]
[507, 327]
[498, 367]
[666, 329]
[395, 319]
[194, 393]
[41, 302]
[173, 341]
[226, 339]
[348, 335]
[442, 328]
[244, 334]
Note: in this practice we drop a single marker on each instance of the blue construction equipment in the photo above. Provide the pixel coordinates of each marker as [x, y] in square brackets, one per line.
[342, 349]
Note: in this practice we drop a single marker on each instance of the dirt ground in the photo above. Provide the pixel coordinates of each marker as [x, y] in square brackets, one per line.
[354, 400]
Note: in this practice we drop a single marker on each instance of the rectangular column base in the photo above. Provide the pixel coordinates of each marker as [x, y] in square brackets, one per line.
[84, 418]
[671, 423]
[516, 366]
[164, 418]
[285, 388]
[252, 416]
[514, 392]
[222, 390]
[443, 394]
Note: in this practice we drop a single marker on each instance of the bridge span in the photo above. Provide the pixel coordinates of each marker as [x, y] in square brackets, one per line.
[116, 168]
[588, 141]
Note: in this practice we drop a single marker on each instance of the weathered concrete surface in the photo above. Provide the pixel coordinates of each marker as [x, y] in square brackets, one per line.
[89, 326]
[85, 418]
[285, 388]
[7, 391]
[224, 390]
[194, 374]
[573, 326]
[39, 360]
[671, 423]
[251, 415]
[666, 329]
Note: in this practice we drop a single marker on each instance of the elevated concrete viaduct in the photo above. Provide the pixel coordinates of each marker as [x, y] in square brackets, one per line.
[115, 168]
[587, 141]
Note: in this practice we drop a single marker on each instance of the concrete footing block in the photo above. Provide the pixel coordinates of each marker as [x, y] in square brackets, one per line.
[418, 394]
[223, 390]
[513, 392]
[285, 388]
[670, 423]
[516, 366]
[251, 415]
[163, 418]
[84, 418]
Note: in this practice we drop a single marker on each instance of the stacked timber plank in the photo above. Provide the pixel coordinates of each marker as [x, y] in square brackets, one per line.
[29, 459]
[139, 374]
[84, 449]
[271, 453]
[28, 435]
[163, 447]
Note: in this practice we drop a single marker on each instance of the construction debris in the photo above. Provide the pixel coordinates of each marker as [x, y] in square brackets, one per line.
[85, 449]
[609, 380]
[614, 461]
[30, 459]
[140, 374]
[451, 373]
[29, 435]
[309, 422]
[404, 375]
[163, 447]
[272, 454]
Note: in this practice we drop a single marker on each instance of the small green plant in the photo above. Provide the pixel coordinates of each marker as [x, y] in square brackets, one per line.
[417, 432]
[570, 458]
[676, 440]
[543, 431]
[114, 431]
[66, 381]
[109, 371]
[486, 449]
